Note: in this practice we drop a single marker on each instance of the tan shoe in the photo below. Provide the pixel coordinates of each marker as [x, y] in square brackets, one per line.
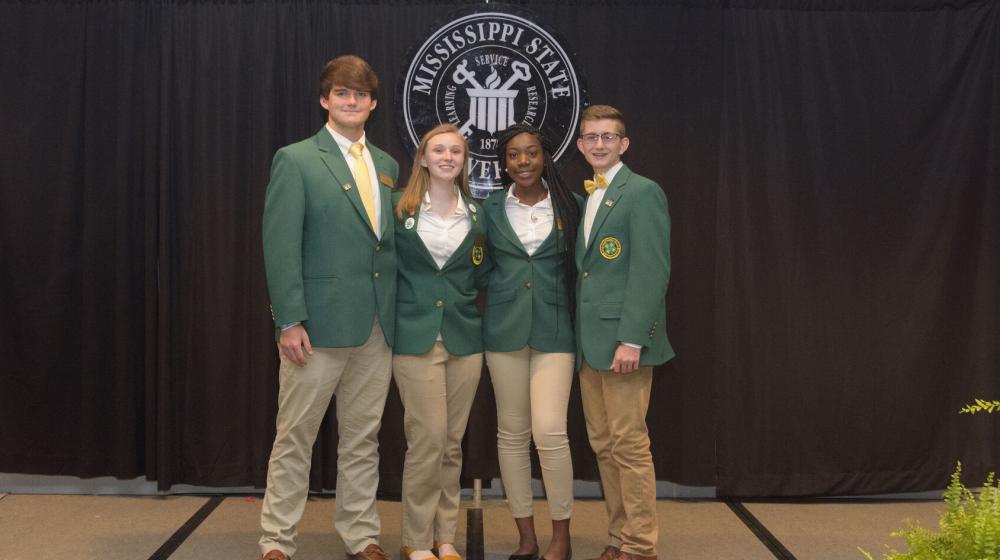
[371, 552]
[274, 555]
[404, 553]
[437, 545]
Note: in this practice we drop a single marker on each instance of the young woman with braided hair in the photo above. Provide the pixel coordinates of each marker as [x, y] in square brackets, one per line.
[528, 330]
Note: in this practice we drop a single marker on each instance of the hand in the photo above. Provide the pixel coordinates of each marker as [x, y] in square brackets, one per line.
[626, 359]
[293, 340]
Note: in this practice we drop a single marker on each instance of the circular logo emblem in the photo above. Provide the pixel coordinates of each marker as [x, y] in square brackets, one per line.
[483, 71]
[610, 248]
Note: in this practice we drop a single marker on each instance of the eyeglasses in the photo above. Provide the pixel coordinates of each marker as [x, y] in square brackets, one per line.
[593, 137]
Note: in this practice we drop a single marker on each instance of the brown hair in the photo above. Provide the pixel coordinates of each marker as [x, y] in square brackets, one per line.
[420, 177]
[598, 112]
[349, 71]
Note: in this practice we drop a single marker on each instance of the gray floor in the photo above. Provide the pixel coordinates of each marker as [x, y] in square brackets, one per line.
[42, 527]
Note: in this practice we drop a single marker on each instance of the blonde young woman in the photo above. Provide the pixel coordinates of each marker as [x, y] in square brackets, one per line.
[438, 353]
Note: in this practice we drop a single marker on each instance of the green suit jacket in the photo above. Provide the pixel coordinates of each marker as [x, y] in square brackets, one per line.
[623, 274]
[526, 302]
[431, 300]
[325, 266]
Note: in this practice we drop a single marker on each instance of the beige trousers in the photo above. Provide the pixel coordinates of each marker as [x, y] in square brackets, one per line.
[615, 406]
[437, 390]
[359, 377]
[532, 394]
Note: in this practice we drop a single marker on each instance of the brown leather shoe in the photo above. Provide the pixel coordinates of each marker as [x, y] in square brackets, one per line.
[609, 553]
[622, 555]
[371, 552]
[274, 555]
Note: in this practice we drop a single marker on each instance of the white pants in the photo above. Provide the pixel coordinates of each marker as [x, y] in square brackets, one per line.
[532, 394]
[437, 390]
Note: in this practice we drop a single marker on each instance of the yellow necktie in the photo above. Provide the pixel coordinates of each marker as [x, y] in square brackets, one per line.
[364, 181]
[599, 182]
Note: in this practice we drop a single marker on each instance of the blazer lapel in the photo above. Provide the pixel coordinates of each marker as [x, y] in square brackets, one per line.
[611, 196]
[498, 214]
[337, 165]
[416, 240]
[475, 230]
[384, 180]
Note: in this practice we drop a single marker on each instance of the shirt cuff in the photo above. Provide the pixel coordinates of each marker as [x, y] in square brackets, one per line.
[630, 345]
[287, 326]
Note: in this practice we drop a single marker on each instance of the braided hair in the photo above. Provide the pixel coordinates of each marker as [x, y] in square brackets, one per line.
[563, 202]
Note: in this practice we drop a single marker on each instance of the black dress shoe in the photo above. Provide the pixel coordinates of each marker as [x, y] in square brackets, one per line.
[523, 556]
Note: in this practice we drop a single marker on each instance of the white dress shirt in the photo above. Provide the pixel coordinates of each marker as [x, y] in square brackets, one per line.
[532, 224]
[345, 149]
[440, 235]
[594, 202]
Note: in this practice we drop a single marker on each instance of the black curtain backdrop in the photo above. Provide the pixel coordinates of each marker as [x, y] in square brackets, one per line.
[833, 171]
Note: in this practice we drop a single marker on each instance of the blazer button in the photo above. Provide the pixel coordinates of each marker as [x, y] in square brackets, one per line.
[439, 303]
[378, 248]
[527, 285]
[375, 275]
[439, 273]
[586, 274]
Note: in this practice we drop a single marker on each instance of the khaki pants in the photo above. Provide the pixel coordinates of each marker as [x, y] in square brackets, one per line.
[615, 406]
[437, 390]
[532, 394]
[359, 376]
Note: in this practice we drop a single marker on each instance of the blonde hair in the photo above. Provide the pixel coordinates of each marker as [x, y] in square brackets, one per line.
[420, 177]
[599, 112]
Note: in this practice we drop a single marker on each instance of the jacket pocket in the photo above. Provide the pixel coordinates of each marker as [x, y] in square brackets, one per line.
[554, 297]
[609, 310]
[499, 296]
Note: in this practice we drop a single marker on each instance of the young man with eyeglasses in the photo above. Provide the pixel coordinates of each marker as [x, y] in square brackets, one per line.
[329, 252]
[623, 259]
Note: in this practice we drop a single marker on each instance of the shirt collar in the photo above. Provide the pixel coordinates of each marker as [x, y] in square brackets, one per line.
[460, 210]
[544, 203]
[343, 142]
[609, 175]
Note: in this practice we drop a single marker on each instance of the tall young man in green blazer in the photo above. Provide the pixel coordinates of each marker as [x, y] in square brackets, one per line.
[329, 251]
[623, 259]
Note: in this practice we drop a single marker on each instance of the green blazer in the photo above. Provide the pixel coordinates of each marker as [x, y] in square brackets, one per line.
[325, 266]
[431, 300]
[526, 302]
[623, 274]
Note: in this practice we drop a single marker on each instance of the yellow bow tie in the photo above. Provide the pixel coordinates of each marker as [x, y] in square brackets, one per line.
[599, 182]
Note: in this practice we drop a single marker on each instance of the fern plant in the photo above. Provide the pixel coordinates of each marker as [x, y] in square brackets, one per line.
[969, 527]
[981, 406]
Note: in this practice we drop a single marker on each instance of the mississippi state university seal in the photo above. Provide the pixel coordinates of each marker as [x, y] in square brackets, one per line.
[484, 70]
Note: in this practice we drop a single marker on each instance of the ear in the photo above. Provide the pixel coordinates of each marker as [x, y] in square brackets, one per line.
[374, 103]
[323, 101]
[624, 145]
[579, 145]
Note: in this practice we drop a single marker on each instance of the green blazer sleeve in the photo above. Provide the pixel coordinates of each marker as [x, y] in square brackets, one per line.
[325, 266]
[623, 274]
[284, 217]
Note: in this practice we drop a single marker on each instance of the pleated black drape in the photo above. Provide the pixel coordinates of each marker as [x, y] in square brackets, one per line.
[834, 181]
